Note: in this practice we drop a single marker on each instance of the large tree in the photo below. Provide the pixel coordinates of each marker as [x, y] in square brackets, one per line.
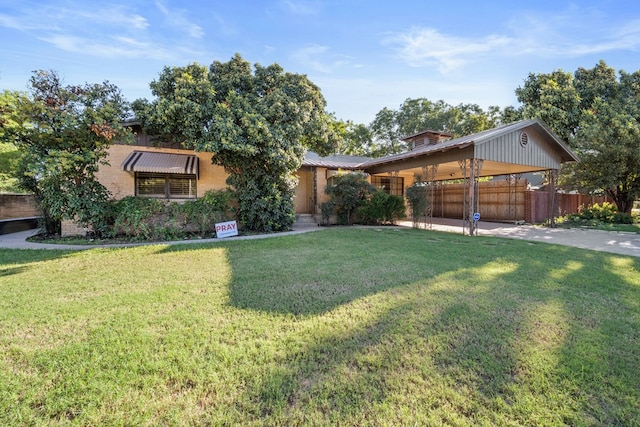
[9, 153]
[415, 115]
[63, 132]
[257, 122]
[597, 111]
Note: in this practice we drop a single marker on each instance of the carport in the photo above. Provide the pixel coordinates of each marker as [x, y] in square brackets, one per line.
[510, 150]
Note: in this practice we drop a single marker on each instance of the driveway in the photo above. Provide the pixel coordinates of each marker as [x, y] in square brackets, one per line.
[606, 241]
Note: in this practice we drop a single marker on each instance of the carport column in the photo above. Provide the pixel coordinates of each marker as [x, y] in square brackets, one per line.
[553, 177]
[429, 172]
[463, 168]
[474, 194]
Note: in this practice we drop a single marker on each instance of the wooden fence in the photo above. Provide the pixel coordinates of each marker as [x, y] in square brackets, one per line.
[506, 201]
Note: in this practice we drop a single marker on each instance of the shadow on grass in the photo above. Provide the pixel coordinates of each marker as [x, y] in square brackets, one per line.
[512, 333]
[416, 326]
[23, 257]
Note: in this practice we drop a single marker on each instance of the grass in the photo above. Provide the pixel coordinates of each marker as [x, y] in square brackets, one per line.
[357, 326]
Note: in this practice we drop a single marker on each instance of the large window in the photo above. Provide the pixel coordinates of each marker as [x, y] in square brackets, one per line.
[389, 184]
[166, 186]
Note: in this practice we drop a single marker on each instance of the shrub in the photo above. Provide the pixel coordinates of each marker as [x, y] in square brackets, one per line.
[383, 208]
[606, 213]
[348, 193]
[143, 218]
[418, 201]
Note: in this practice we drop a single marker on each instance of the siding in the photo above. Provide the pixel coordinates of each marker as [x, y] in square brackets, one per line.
[507, 149]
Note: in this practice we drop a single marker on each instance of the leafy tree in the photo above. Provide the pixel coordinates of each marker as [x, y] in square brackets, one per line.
[257, 123]
[356, 139]
[349, 192]
[598, 114]
[9, 153]
[63, 133]
[418, 114]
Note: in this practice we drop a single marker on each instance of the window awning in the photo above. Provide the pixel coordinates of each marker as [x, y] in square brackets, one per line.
[145, 161]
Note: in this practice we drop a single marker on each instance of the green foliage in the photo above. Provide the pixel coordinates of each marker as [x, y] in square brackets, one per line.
[63, 133]
[257, 123]
[418, 201]
[598, 114]
[9, 154]
[349, 192]
[416, 115]
[141, 218]
[383, 208]
[606, 213]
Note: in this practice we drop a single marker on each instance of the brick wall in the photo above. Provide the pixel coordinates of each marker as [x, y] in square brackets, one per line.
[18, 206]
[122, 184]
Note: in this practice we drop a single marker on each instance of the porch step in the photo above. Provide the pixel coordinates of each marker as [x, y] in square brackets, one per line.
[305, 220]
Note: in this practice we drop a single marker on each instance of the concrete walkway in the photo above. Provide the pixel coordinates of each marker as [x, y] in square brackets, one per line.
[19, 240]
[606, 241]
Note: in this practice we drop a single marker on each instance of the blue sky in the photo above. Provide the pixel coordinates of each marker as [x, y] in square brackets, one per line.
[364, 54]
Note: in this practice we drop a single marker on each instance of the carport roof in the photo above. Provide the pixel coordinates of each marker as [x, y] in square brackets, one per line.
[496, 146]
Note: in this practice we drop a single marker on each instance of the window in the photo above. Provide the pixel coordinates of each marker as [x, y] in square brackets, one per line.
[389, 184]
[166, 186]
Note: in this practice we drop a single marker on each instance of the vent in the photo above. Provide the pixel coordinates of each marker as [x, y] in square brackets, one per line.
[524, 139]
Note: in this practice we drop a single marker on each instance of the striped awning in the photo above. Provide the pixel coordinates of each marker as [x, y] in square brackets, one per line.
[145, 161]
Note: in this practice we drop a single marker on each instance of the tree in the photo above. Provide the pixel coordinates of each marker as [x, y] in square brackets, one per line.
[598, 114]
[9, 153]
[257, 123]
[63, 133]
[349, 192]
[356, 139]
[415, 115]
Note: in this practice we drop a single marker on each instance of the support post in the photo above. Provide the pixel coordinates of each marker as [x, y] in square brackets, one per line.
[553, 176]
[463, 168]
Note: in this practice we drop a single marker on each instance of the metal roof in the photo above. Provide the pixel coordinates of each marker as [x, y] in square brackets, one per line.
[477, 139]
[335, 161]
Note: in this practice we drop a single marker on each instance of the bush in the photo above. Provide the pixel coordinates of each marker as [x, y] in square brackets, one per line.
[382, 208]
[348, 193]
[418, 201]
[606, 213]
[141, 218]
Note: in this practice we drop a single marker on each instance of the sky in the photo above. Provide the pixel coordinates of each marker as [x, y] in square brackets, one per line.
[364, 55]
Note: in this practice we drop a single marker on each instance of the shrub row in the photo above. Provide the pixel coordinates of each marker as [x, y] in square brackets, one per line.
[139, 218]
[606, 213]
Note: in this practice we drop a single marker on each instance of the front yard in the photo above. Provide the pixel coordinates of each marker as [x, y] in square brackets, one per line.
[353, 326]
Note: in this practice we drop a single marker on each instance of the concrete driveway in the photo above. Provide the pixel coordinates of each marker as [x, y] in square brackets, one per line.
[607, 241]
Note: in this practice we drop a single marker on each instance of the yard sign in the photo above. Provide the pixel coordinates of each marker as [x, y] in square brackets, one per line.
[226, 229]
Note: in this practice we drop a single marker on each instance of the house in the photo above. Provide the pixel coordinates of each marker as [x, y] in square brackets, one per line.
[167, 171]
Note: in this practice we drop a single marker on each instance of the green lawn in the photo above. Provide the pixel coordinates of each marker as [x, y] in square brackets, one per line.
[354, 326]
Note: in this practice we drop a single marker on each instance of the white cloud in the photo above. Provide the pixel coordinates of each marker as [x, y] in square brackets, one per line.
[177, 18]
[314, 57]
[573, 32]
[427, 46]
[298, 7]
[114, 47]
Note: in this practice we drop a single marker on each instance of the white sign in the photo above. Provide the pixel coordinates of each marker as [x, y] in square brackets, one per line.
[226, 229]
[476, 216]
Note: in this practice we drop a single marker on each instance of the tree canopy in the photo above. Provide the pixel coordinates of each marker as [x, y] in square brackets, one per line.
[597, 111]
[415, 115]
[63, 132]
[257, 122]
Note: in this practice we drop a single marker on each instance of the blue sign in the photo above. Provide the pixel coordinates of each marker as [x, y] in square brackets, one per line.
[476, 216]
